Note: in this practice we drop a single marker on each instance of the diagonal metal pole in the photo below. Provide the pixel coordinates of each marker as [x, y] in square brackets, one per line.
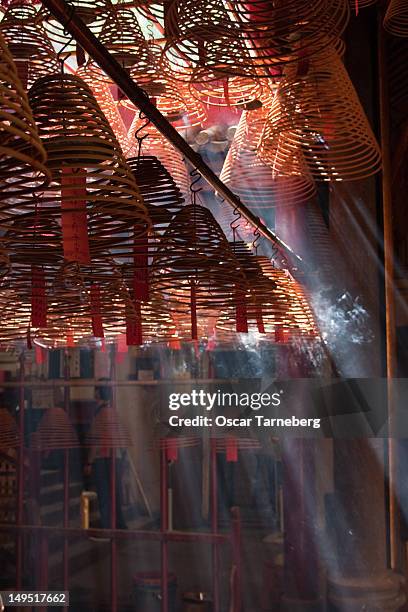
[66, 15]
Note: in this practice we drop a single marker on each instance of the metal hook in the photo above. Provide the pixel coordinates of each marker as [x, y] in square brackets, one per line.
[235, 223]
[147, 122]
[257, 237]
[195, 177]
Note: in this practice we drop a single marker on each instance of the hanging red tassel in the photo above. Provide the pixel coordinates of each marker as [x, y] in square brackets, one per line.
[39, 355]
[74, 218]
[241, 311]
[96, 310]
[141, 266]
[280, 335]
[232, 450]
[171, 449]
[134, 336]
[259, 320]
[193, 306]
[225, 86]
[38, 298]
[70, 339]
[122, 349]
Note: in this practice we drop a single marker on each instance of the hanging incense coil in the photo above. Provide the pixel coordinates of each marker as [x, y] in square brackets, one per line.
[28, 42]
[396, 18]
[9, 432]
[122, 36]
[108, 431]
[276, 304]
[194, 250]
[103, 94]
[226, 92]
[92, 12]
[260, 185]
[84, 154]
[22, 155]
[160, 193]
[320, 114]
[54, 431]
[252, 36]
[155, 144]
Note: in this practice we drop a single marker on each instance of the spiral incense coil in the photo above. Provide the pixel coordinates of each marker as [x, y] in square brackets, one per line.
[396, 18]
[157, 145]
[320, 114]
[103, 94]
[92, 12]
[224, 442]
[253, 37]
[300, 310]
[275, 303]
[194, 250]
[86, 161]
[160, 193]
[228, 92]
[107, 431]
[260, 185]
[54, 431]
[9, 432]
[28, 42]
[122, 36]
[173, 442]
[22, 155]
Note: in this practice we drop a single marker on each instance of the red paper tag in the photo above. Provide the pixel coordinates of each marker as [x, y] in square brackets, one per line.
[225, 87]
[356, 7]
[141, 267]
[70, 339]
[122, 349]
[175, 344]
[193, 306]
[171, 449]
[97, 325]
[280, 335]
[134, 336]
[232, 450]
[39, 355]
[259, 320]
[38, 298]
[74, 217]
[241, 312]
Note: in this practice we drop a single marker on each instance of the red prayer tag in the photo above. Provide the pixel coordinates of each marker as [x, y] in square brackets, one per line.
[260, 321]
[39, 355]
[232, 450]
[74, 216]
[38, 298]
[171, 450]
[134, 335]
[96, 312]
[141, 267]
[241, 312]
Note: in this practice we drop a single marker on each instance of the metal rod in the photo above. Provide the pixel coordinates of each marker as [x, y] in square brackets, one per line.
[20, 477]
[120, 534]
[164, 524]
[214, 524]
[237, 554]
[390, 326]
[66, 474]
[66, 15]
